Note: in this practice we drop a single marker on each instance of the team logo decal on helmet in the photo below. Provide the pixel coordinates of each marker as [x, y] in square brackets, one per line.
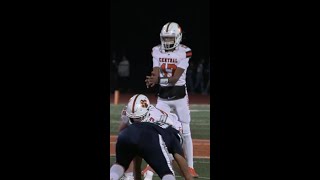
[144, 103]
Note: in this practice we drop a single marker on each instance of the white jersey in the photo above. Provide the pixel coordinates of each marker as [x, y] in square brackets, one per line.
[159, 117]
[168, 62]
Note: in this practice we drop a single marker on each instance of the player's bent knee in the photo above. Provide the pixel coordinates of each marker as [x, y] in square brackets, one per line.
[116, 171]
[168, 177]
[184, 117]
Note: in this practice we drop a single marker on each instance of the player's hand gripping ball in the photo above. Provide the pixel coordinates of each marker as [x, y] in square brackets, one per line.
[151, 80]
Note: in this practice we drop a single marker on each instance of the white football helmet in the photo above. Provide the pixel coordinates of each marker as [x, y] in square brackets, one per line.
[138, 107]
[170, 36]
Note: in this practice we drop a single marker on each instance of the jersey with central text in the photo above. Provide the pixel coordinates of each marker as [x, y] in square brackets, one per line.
[168, 62]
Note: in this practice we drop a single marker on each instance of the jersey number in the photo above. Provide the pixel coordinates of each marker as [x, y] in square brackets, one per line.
[168, 67]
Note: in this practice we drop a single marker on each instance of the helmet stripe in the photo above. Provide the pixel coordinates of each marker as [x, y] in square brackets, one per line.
[189, 54]
[168, 26]
[134, 102]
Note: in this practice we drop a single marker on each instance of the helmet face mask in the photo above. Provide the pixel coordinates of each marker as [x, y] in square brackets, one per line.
[168, 42]
[138, 108]
[170, 36]
[137, 120]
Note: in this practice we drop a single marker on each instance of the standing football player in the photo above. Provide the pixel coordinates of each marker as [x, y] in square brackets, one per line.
[170, 63]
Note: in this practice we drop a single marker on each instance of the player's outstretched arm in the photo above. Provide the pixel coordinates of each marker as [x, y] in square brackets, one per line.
[122, 126]
[176, 167]
[123, 119]
[137, 167]
[182, 163]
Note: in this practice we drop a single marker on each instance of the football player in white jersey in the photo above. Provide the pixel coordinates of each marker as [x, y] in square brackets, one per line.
[170, 63]
[139, 109]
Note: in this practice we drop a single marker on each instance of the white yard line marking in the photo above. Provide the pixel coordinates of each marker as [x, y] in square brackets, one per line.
[198, 110]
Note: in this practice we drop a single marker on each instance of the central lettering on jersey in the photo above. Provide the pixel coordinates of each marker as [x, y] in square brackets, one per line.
[169, 60]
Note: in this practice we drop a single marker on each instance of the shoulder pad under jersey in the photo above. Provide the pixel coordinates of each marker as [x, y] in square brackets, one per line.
[187, 50]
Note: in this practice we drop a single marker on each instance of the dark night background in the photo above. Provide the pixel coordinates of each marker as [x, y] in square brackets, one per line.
[55, 83]
[135, 29]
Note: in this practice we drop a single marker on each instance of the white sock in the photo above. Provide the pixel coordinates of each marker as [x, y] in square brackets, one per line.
[128, 174]
[148, 175]
[188, 146]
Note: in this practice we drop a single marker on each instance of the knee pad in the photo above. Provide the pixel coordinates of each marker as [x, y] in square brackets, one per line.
[116, 171]
[186, 131]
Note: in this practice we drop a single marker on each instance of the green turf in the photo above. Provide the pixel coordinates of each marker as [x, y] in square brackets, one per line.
[202, 167]
[200, 120]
